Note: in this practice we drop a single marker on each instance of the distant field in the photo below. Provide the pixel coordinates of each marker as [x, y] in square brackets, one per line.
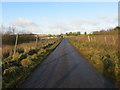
[102, 52]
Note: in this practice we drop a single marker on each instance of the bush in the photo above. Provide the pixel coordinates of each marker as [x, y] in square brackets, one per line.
[7, 59]
[106, 60]
[23, 56]
[5, 66]
[33, 57]
[17, 56]
[31, 52]
[9, 70]
[7, 53]
[20, 50]
[8, 64]
[10, 76]
[26, 62]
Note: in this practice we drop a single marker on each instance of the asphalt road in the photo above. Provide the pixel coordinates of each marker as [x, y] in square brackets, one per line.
[66, 68]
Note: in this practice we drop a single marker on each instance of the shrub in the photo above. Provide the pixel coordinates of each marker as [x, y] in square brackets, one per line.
[6, 54]
[26, 62]
[10, 76]
[45, 47]
[106, 60]
[7, 59]
[33, 57]
[20, 50]
[9, 70]
[16, 56]
[5, 66]
[11, 63]
[23, 56]
[41, 50]
[31, 52]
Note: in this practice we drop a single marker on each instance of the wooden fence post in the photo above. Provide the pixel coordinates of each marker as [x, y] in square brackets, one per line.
[36, 41]
[88, 38]
[94, 39]
[16, 41]
[91, 38]
[105, 40]
[113, 40]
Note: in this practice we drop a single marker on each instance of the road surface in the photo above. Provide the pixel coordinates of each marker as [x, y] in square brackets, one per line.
[66, 68]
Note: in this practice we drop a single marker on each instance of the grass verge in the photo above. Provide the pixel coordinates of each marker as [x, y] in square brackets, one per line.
[15, 75]
[103, 57]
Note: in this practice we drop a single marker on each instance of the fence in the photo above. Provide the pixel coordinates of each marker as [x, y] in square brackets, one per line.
[22, 43]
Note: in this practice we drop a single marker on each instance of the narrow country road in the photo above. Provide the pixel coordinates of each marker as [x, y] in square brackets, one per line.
[65, 68]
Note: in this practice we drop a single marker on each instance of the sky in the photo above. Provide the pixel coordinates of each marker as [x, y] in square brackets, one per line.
[60, 0]
[59, 17]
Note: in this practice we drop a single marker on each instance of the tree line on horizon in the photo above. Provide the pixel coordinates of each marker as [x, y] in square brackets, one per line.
[115, 30]
[112, 31]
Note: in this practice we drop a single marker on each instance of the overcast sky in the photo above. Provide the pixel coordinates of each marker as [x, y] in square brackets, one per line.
[60, 17]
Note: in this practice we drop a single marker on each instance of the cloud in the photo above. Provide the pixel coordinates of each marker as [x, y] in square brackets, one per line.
[83, 21]
[23, 22]
[25, 25]
[61, 27]
[74, 25]
[108, 18]
[4, 28]
[56, 26]
[1, 27]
